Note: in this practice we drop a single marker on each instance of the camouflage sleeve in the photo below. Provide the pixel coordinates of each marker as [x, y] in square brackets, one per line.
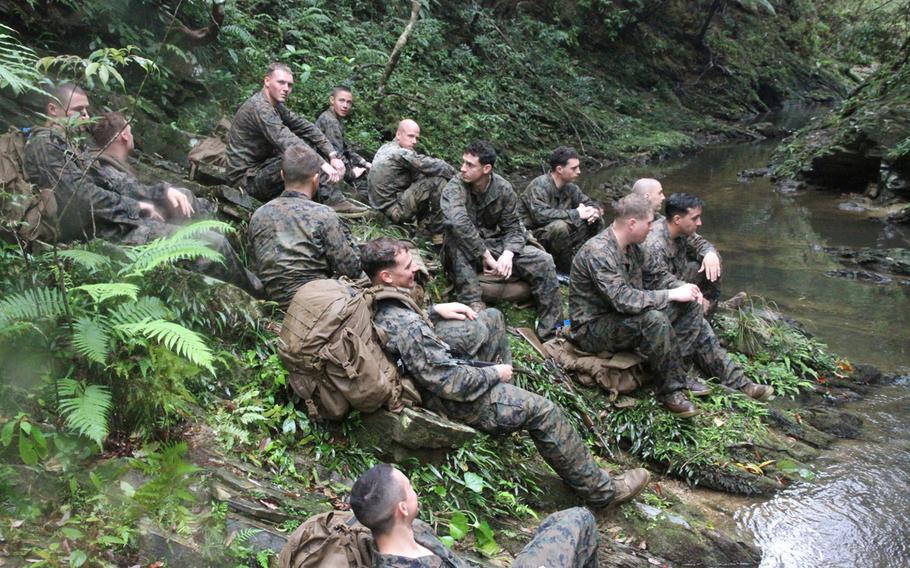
[428, 361]
[697, 247]
[538, 207]
[341, 252]
[514, 238]
[332, 131]
[656, 270]
[305, 130]
[127, 185]
[427, 165]
[453, 203]
[578, 196]
[626, 299]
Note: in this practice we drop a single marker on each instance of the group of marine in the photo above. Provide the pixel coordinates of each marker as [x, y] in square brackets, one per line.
[645, 282]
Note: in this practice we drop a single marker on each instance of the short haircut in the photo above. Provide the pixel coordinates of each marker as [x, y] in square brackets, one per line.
[561, 156]
[379, 254]
[300, 163]
[340, 89]
[645, 185]
[62, 93]
[276, 66]
[374, 497]
[633, 205]
[680, 203]
[483, 150]
[108, 127]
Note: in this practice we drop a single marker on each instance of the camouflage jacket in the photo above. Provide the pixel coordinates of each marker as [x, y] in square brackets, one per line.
[607, 281]
[396, 168]
[85, 210]
[296, 240]
[333, 128]
[542, 202]
[413, 343]
[481, 221]
[261, 131]
[666, 258]
[442, 557]
[112, 174]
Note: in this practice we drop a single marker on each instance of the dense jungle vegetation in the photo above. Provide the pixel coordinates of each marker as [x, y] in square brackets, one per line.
[117, 367]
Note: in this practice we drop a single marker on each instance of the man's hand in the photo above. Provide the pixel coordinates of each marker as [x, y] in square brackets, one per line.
[333, 174]
[710, 265]
[685, 293]
[179, 202]
[489, 263]
[148, 211]
[585, 212]
[504, 264]
[504, 372]
[455, 311]
[369, 165]
[338, 165]
[358, 171]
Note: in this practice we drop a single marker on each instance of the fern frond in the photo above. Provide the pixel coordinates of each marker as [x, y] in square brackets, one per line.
[87, 259]
[180, 340]
[92, 338]
[188, 231]
[31, 305]
[167, 252]
[107, 290]
[239, 32]
[17, 63]
[85, 408]
[144, 309]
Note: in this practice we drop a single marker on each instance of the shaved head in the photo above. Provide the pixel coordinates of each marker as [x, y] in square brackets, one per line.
[650, 189]
[408, 134]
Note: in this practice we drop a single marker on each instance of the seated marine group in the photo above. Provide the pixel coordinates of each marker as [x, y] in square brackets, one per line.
[644, 282]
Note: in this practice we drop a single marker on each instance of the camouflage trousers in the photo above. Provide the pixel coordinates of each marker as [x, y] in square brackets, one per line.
[562, 239]
[566, 539]
[419, 202]
[530, 264]
[506, 408]
[267, 184]
[483, 339]
[666, 338]
[710, 290]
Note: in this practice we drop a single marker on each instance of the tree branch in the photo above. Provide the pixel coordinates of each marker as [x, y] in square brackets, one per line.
[399, 46]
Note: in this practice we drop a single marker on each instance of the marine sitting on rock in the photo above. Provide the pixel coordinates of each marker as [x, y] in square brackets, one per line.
[612, 310]
[296, 240]
[481, 397]
[331, 123]
[384, 501]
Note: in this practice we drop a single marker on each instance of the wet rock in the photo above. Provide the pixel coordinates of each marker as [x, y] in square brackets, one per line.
[866, 374]
[839, 423]
[156, 545]
[733, 480]
[789, 186]
[798, 428]
[851, 206]
[859, 275]
[900, 216]
[746, 175]
[893, 262]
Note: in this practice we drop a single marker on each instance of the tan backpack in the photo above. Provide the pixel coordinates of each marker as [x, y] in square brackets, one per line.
[616, 373]
[333, 352]
[25, 212]
[329, 540]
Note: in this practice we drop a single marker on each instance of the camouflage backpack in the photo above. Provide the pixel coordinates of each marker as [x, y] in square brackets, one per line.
[329, 540]
[333, 352]
[26, 214]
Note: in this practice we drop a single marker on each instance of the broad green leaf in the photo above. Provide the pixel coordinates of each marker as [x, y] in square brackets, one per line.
[473, 482]
[71, 532]
[27, 452]
[40, 442]
[458, 526]
[77, 558]
[6, 435]
[486, 543]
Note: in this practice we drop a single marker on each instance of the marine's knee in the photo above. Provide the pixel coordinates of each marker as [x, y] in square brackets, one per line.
[559, 230]
[655, 320]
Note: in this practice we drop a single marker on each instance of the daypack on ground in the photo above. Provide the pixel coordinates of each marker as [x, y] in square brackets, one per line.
[333, 352]
[25, 211]
[329, 540]
[616, 373]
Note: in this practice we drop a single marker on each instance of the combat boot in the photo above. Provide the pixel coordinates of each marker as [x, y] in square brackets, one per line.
[629, 484]
[757, 391]
[679, 404]
[347, 207]
[697, 387]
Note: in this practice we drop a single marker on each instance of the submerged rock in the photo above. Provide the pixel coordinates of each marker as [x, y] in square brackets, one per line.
[887, 262]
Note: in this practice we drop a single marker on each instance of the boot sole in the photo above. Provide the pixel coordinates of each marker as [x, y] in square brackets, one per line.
[700, 393]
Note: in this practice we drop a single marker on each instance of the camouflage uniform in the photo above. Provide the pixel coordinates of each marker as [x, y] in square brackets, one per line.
[476, 222]
[612, 311]
[671, 263]
[296, 240]
[565, 539]
[259, 135]
[330, 125]
[551, 214]
[476, 397]
[405, 185]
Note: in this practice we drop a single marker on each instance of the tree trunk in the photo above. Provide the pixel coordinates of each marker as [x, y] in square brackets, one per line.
[715, 6]
[399, 47]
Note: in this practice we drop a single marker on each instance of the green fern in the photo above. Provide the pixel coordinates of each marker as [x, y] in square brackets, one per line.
[180, 340]
[108, 290]
[85, 408]
[31, 305]
[144, 309]
[89, 260]
[195, 229]
[167, 252]
[17, 63]
[239, 32]
[91, 337]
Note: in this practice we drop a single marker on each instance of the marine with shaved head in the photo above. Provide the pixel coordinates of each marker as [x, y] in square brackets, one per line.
[403, 184]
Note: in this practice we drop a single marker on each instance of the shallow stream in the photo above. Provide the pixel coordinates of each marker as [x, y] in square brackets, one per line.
[855, 512]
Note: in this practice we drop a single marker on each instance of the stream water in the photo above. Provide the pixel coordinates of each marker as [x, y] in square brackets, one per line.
[855, 511]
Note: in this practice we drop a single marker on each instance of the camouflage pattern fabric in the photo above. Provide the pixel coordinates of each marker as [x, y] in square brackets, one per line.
[404, 184]
[296, 240]
[476, 397]
[565, 539]
[612, 311]
[672, 262]
[259, 135]
[333, 128]
[476, 222]
[551, 214]
[483, 339]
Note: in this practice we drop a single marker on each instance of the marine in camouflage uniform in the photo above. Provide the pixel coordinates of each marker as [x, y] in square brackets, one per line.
[477, 397]
[477, 222]
[296, 240]
[676, 261]
[405, 185]
[566, 539]
[259, 135]
[330, 125]
[551, 213]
